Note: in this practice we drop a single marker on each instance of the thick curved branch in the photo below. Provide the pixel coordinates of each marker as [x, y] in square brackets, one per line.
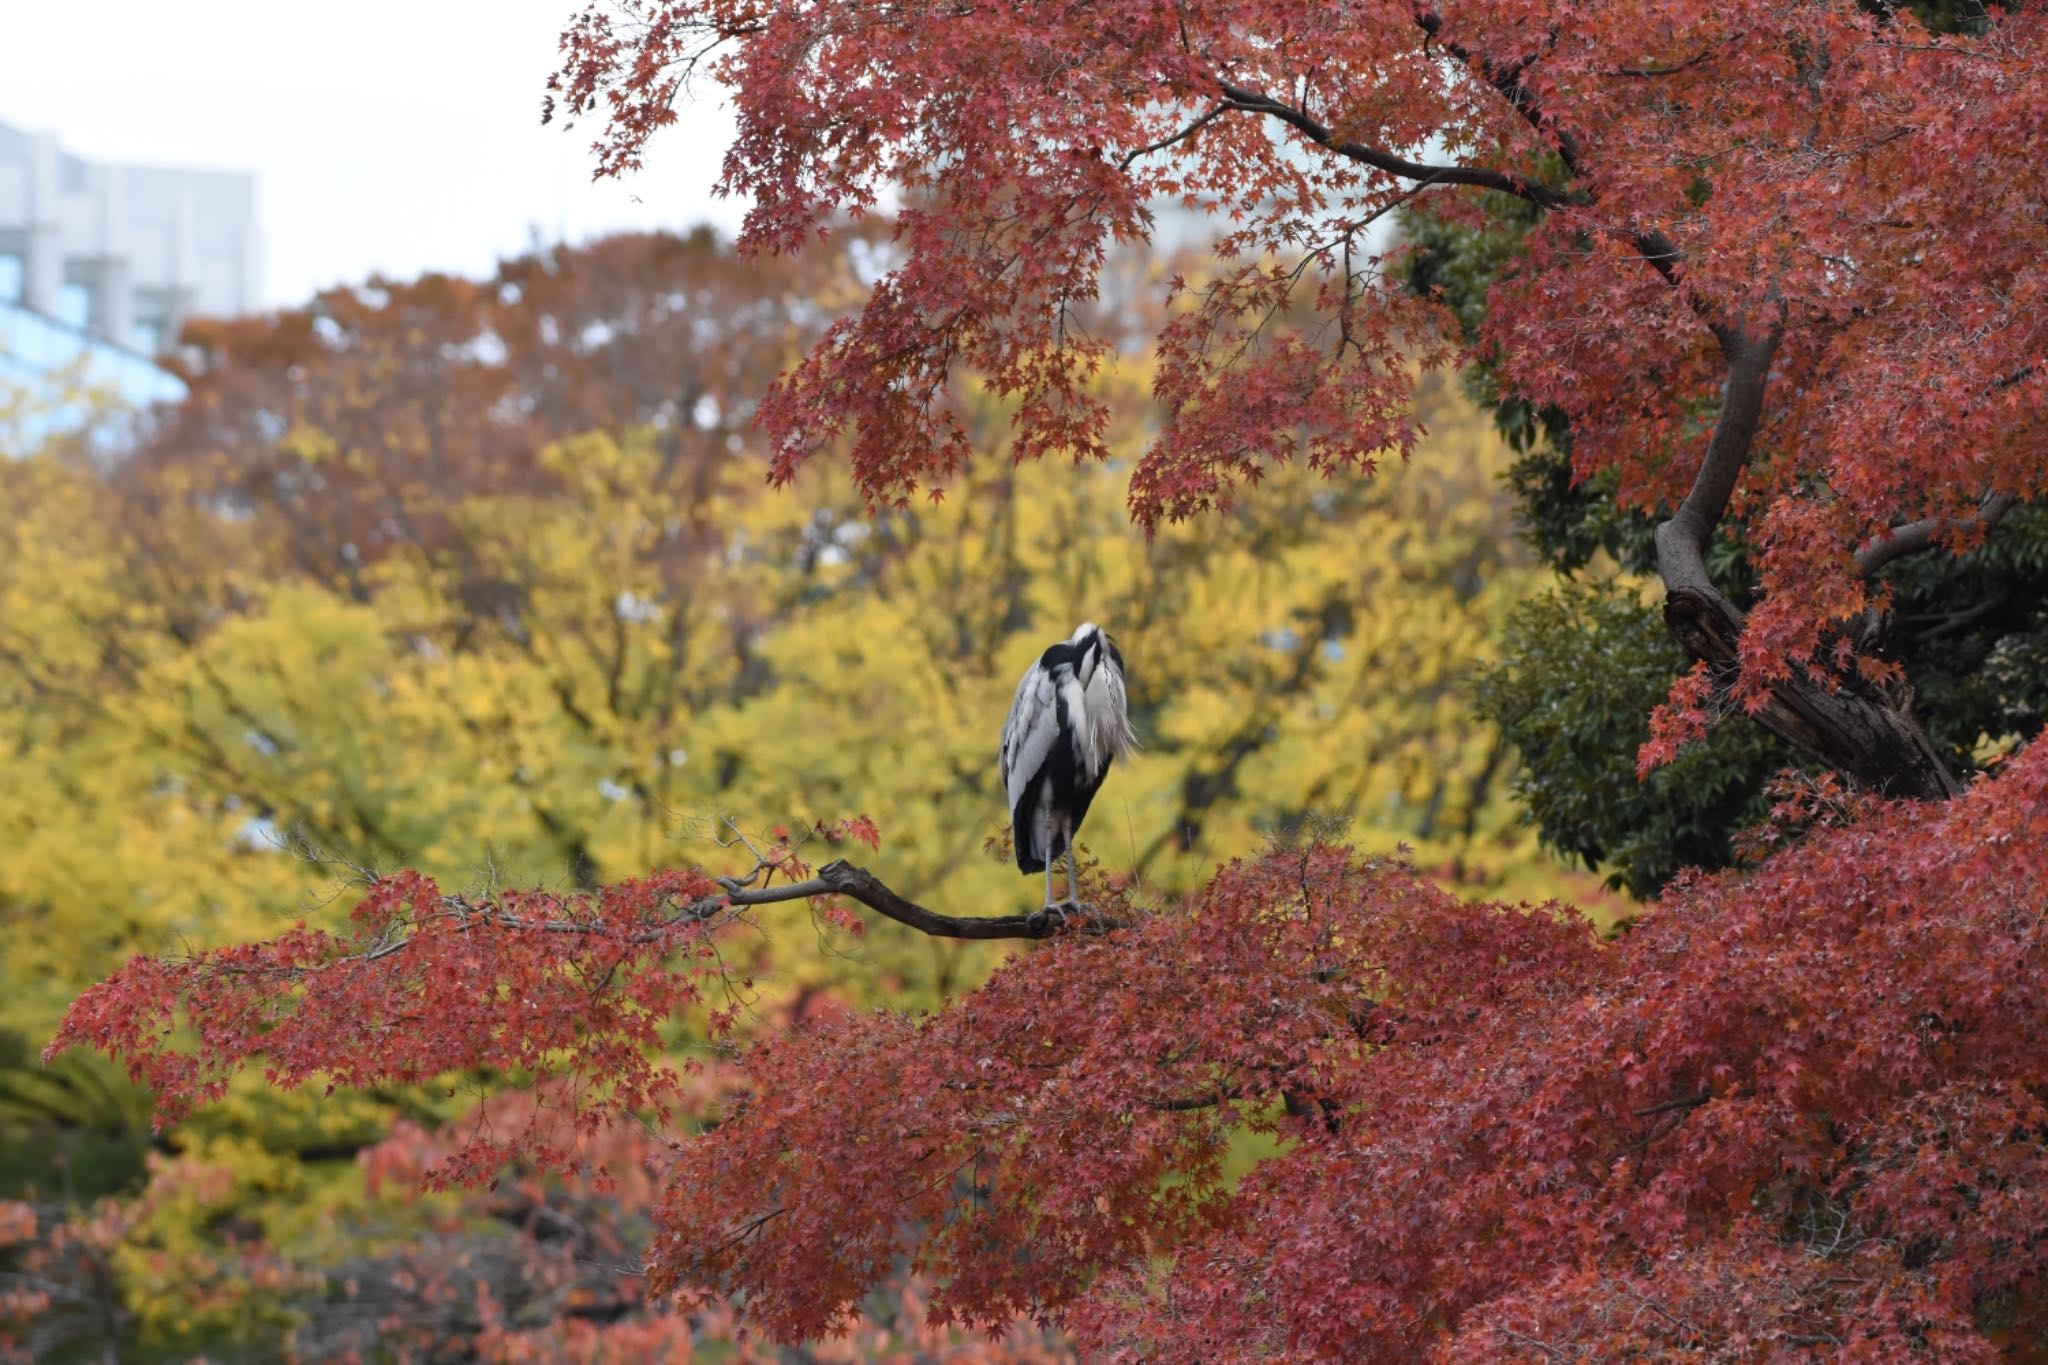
[1251, 101]
[1682, 541]
[1916, 536]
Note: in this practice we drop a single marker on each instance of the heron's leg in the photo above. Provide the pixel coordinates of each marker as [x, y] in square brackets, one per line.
[1072, 897]
[1040, 920]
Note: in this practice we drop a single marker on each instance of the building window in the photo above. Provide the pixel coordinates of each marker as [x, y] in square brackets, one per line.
[74, 306]
[151, 331]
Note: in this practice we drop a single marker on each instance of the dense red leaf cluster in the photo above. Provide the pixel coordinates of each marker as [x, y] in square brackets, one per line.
[420, 984]
[1800, 1107]
[1797, 1108]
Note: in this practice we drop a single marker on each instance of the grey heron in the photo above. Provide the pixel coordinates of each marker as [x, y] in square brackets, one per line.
[1066, 726]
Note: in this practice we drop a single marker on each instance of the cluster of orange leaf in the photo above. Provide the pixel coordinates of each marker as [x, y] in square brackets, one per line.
[361, 420]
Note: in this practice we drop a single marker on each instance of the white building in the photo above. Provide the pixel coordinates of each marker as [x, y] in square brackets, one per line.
[124, 253]
[100, 265]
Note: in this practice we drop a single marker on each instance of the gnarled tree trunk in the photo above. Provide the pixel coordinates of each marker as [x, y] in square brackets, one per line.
[1866, 736]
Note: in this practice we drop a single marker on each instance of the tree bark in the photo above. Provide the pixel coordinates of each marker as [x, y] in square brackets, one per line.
[1874, 743]
[1867, 736]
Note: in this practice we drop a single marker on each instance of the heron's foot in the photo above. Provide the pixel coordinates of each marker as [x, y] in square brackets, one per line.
[1041, 921]
[1059, 916]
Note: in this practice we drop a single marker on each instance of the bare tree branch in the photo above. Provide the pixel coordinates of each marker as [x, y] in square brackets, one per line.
[1172, 138]
[469, 914]
[1916, 536]
[1251, 101]
[844, 879]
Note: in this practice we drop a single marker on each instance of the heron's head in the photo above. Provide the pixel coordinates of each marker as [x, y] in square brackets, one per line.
[1089, 641]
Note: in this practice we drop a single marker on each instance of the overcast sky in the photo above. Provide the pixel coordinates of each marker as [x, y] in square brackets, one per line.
[392, 137]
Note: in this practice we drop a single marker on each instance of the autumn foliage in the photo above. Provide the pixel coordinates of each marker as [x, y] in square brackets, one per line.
[1782, 281]
[533, 1269]
[1793, 1108]
[213, 719]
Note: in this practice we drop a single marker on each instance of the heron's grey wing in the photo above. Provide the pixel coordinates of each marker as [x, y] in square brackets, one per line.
[1108, 730]
[1117, 717]
[1030, 732]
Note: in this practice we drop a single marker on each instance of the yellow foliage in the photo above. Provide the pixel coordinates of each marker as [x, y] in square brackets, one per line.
[584, 686]
[591, 682]
[1301, 655]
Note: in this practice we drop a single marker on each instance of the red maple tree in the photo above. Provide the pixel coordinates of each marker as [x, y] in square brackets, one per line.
[1787, 278]
[1787, 274]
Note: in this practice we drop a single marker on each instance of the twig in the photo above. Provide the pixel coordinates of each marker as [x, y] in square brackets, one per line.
[1682, 1102]
[1169, 140]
